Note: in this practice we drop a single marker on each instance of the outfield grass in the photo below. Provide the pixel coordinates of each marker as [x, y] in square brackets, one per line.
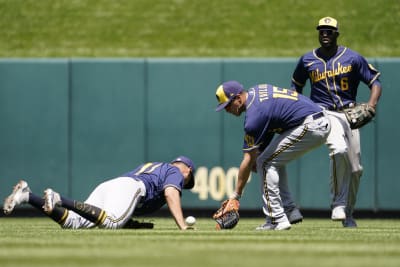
[192, 28]
[315, 242]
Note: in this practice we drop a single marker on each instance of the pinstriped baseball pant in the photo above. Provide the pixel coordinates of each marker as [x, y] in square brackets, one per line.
[118, 197]
[345, 154]
[289, 145]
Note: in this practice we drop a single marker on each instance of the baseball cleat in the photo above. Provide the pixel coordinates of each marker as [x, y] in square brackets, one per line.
[51, 199]
[265, 226]
[294, 216]
[19, 195]
[338, 213]
[274, 226]
[349, 222]
[283, 226]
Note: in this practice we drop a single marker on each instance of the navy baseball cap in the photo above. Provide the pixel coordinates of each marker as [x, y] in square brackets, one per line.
[226, 92]
[188, 162]
[328, 22]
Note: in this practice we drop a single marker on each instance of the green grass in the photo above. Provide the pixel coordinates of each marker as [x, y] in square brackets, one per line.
[315, 242]
[191, 28]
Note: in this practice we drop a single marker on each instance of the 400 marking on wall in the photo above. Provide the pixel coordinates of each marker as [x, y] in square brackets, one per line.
[216, 183]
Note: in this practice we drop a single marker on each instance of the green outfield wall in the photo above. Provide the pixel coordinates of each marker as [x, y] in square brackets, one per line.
[72, 123]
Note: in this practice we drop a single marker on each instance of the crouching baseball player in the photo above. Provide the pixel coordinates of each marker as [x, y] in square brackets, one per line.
[113, 203]
[301, 126]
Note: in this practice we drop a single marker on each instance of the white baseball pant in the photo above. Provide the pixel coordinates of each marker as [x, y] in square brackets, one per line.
[289, 145]
[345, 161]
[118, 197]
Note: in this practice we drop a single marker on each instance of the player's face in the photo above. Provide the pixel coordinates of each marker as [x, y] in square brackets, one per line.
[236, 107]
[185, 170]
[327, 37]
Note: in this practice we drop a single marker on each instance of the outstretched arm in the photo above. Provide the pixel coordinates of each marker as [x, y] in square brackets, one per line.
[249, 159]
[173, 198]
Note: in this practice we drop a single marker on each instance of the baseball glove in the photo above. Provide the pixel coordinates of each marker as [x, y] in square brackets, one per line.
[227, 216]
[359, 115]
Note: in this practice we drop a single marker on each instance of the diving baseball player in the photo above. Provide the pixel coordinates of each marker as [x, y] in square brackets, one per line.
[335, 72]
[114, 202]
[301, 126]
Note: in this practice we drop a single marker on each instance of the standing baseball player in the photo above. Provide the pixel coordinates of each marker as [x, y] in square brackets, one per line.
[335, 72]
[300, 123]
[114, 202]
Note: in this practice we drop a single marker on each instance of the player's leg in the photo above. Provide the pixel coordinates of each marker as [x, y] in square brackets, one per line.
[120, 197]
[53, 202]
[356, 173]
[340, 171]
[283, 149]
[81, 215]
[110, 205]
[289, 205]
[22, 194]
[269, 170]
[18, 196]
[292, 212]
[276, 218]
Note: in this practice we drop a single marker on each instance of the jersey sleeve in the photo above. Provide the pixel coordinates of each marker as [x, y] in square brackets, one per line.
[368, 74]
[248, 143]
[299, 77]
[173, 178]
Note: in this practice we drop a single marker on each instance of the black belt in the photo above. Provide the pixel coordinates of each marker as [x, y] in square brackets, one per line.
[335, 108]
[318, 115]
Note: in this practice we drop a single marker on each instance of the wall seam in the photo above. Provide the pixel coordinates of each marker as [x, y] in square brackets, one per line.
[69, 129]
[222, 116]
[146, 110]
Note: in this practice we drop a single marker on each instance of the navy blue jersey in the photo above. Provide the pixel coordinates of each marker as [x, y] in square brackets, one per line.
[269, 110]
[334, 81]
[156, 176]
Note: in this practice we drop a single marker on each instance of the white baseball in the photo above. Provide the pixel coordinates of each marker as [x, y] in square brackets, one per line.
[190, 220]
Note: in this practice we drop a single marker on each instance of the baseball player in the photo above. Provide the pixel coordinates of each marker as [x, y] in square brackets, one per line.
[113, 203]
[335, 72]
[300, 123]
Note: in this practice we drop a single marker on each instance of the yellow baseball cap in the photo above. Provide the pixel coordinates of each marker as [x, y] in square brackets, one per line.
[328, 22]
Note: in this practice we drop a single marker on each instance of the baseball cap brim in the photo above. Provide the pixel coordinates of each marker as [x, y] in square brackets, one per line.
[223, 105]
[326, 27]
[190, 184]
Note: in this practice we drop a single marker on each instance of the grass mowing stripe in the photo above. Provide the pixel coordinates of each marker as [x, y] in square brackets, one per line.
[40, 242]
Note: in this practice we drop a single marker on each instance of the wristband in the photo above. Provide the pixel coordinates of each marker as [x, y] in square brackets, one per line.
[235, 196]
